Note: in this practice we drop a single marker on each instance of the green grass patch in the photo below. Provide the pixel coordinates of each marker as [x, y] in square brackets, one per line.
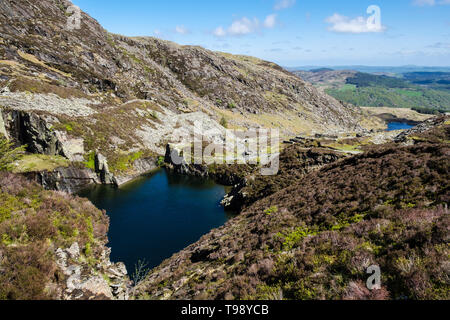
[160, 162]
[224, 122]
[409, 93]
[292, 239]
[124, 162]
[347, 87]
[90, 160]
[39, 162]
[271, 210]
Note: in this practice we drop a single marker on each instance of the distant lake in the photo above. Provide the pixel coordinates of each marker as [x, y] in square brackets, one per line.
[392, 126]
[158, 215]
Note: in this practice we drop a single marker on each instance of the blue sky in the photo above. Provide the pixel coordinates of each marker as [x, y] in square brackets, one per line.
[291, 32]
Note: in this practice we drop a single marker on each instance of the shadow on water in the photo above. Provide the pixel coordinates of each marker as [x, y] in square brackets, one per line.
[158, 215]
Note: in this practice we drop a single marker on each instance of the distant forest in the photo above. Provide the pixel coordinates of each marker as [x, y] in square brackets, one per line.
[426, 92]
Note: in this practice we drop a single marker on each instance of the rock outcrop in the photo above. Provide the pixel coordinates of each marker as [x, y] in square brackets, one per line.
[37, 132]
[83, 284]
[101, 167]
[32, 130]
[70, 180]
[411, 136]
[295, 163]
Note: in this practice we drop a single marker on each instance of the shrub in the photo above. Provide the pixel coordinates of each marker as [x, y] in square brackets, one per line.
[273, 209]
[9, 154]
[224, 122]
[161, 161]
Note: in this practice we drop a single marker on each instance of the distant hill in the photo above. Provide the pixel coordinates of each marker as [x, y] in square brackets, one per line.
[326, 78]
[375, 69]
[426, 92]
[437, 80]
[321, 70]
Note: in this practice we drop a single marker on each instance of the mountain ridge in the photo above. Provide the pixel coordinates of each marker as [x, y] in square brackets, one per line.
[122, 65]
[89, 93]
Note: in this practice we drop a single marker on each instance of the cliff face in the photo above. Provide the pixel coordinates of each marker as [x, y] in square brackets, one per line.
[89, 92]
[317, 236]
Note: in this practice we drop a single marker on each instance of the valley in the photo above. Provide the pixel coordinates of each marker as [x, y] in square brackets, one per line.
[137, 168]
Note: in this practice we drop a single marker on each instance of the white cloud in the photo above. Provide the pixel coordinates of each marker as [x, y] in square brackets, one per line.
[157, 32]
[423, 3]
[343, 24]
[243, 26]
[284, 4]
[181, 30]
[271, 21]
[220, 32]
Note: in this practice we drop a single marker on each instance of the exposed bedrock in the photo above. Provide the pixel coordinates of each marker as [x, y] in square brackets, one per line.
[33, 131]
[37, 133]
[222, 174]
[70, 180]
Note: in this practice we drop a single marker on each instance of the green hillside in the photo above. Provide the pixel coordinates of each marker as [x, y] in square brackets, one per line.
[383, 91]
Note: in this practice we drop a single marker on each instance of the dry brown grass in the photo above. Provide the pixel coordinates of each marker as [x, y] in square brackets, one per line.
[23, 84]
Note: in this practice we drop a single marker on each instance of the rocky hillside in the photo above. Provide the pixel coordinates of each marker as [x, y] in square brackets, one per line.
[326, 78]
[95, 107]
[91, 60]
[295, 163]
[315, 238]
[94, 97]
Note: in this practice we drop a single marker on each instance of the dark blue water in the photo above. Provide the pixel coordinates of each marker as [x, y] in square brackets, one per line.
[392, 126]
[158, 215]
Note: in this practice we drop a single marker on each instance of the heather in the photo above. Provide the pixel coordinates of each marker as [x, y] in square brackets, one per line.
[316, 238]
[33, 224]
[295, 163]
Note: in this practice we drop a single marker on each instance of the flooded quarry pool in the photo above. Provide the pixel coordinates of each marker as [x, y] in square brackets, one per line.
[158, 215]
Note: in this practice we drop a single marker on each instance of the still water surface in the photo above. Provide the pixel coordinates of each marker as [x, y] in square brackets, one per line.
[398, 126]
[158, 215]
